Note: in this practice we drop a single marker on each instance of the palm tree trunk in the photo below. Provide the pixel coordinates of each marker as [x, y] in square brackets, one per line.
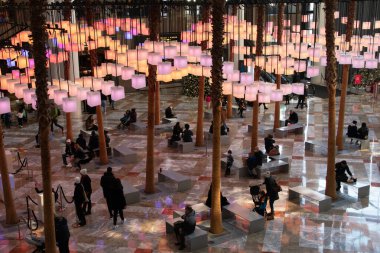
[10, 211]
[218, 7]
[259, 52]
[280, 28]
[330, 6]
[66, 64]
[345, 73]
[157, 106]
[39, 36]
[232, 58]
[154, 19]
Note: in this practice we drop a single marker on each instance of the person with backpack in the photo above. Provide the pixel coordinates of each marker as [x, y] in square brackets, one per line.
[272, 189]
[54, 114]
[187, 134]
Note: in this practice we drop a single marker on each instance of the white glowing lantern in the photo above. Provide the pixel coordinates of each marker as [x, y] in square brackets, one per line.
[344, 59]
[312, 71]
[298, 88]
[358, 62]
[276, 95]
[371, 63]
[106, 87]
[170, 52]
[69, 104]
[28, 95]
[164, 68]
[227, 88]
[246, 78]
[234, 76]
[5, 105]
[59, 95]
[286, 89]
[238, 90]
[138, 81]
[19, 90]
[264, 98]
[300, 66]
[323, 61]
[251, 92]
[51, 89]
[127, 73]
[180, 62]
[228, 67]
[314, 52]
[93, 98]
[206, 60]
[82, 93]
[195, 51]
[97, 84]
[154, 58]
[117, 93]
[73, 89]
[142, 54]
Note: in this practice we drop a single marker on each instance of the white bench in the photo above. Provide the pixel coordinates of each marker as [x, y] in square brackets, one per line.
[255, 221]
[186, 147]
[283, 131]
[184, 182]
[169, 120]
[362, 188]
[224, 139]
[131, 194]
[322, 201]
[201, 210]
[125, 154]
[313, 145]
[194, 241]
[272, 166]
[364, 143]
[138, 125]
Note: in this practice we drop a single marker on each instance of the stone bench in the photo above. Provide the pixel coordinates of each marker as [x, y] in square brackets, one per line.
[173, 144]
[224, 139]
[164, 127]
[201, 210]
[186, 147]
[264, 130]
[194, 241]
[361, 188]
[169, 120]
[125, 154]
[283, 131]
[253, 222]
[280, 157]
[364, 143]
[313, 145]
[131, 194]
[272, 166]
[322, 201]
[138, 125]
[183, 182]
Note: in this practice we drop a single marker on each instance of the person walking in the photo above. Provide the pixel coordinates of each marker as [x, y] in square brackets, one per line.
[230, 161]
[118, 202]
[85, 180]
[272, 189]
[62, 234]
[54, 114]
[79, 200]
[106, 182]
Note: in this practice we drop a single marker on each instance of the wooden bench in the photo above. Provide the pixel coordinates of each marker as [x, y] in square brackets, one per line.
[186, 147]
[201, 210]
[194, 241]
[131, 194]
[364, 143]
[322, 201]
[314, 145]
[246, 219]
[224, 139]
[184, 182]
[283, 131]
[138, 125]
[361, 188]
[125, 154]
[169, 120]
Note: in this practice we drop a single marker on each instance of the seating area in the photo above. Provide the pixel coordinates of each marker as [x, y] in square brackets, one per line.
[362, 144]
[317, 147]
[224, 139]
[125, 154]
[246, 220]
[183, 182]
[186, 147]
[322, 201]
[361, 189]
[282, 132]
[138, 125]
[275, 166]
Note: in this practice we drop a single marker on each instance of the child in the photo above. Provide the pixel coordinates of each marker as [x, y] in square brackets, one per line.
[230, 161]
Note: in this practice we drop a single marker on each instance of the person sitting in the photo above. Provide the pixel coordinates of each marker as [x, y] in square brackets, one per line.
[340, 174]
[90, 124]
[81, 141]
[254, 162]
[79, 156]
[177, 130]
[169, 112]
[270, 149]
[185, 227]
[293, 118]
[107, 138]
[363, 132]
[223, 129]
[124, 119]
[352, 130]
[223, 200]
[93, 143]
[187, 134]
[211, 129]
[68, 153]
[132, 117]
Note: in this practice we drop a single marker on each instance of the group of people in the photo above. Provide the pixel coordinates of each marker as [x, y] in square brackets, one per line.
[354, 132]
[130, 116]
[178, 133]
[82, 197]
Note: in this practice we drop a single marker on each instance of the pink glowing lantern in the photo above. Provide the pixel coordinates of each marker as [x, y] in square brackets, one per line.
[228, 67]
[15, 73]
[345, 59]
[276, 95]
[300, 66]
[69, 104]
[117, 93]
[195, 51]
[312, 71]
[227, 88]
[246, 78]
[170, 52]
[264, 98]
[106, 87]
[234, 76]
[82, 93]
[19, 90]
[164, 68]
[127, 73]
[93, 98]
[5, 105]
[371, 63]
[180, 62]
[206, 60]
[154, 58]
[298, 88]
[238, 90]
[73, 89]
[358, 62]
[34, 101]
[97, 84]
[138, 81]
[286, 89]
[11, 85]
[323, 61]
[24, 79]
[59, 95]
[251, 92]
[28, 95]
[142, 54]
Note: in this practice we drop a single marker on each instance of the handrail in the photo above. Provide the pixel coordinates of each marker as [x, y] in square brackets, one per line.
[28, 223]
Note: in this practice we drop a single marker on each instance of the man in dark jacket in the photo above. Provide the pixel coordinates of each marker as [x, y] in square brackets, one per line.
[169, 112]
[85, 180]
[186, 227]
[81, 141]
[293, 118]
[363, 131]
[117, 200]
[341, 168]
[187, 134]
[79, 200]
[272, 192]
[62, 234]
[106, 182]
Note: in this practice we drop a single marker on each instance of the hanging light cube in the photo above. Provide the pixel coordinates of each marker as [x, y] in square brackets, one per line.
[5, 105]
[138, 81]
[93, 98]
[117, 93]
[206, 60]
[238, 90]
[69, 104]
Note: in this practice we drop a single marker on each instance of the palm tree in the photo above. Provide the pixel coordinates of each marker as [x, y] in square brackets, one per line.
[330, 6]
[154, 19]
[345, 73]
[39, 36]
[280, 28]
[216, 96]
[157, 105]
[232, 59]
[66, 64]
[259, 52]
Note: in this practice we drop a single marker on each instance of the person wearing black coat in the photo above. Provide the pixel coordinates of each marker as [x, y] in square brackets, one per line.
[62, 234]
[341, 168]
[177, 130]
[68, 153]
[293, 118]
[187, 134]
[81, 141]
[93, 143]
[363, 131]
[79, 200]
[223, 200]
[85, 180]
[269, 141]
[118, 202]
[106, 182]
[270, 184]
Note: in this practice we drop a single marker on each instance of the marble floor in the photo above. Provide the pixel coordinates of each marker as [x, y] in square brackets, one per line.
[352, 225]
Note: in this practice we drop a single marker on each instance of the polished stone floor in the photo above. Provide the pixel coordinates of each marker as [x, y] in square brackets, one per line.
[352, 225]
